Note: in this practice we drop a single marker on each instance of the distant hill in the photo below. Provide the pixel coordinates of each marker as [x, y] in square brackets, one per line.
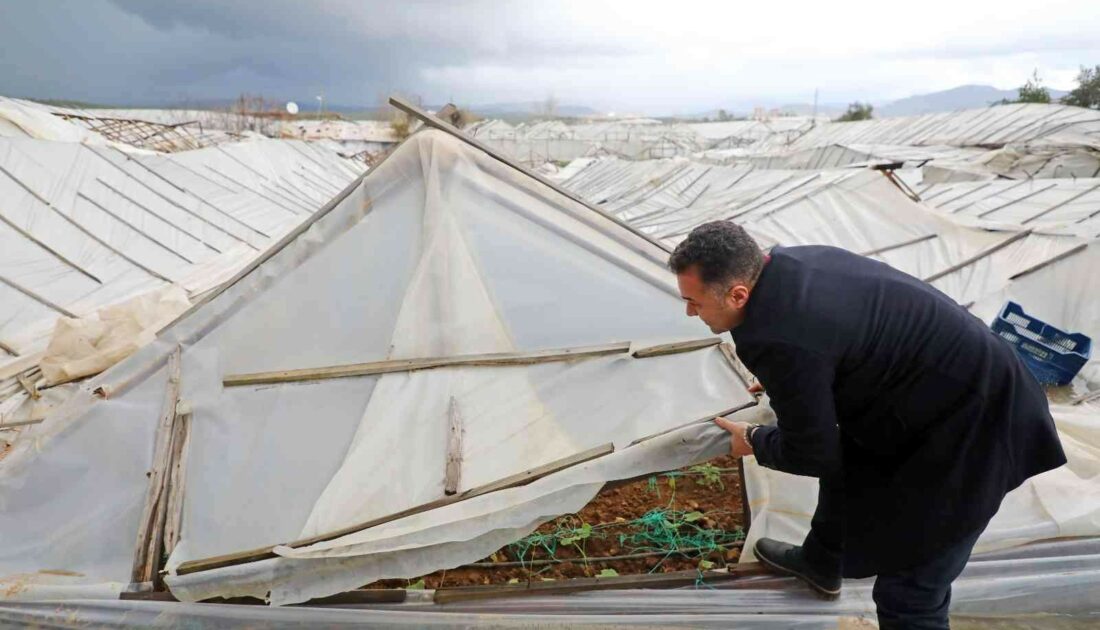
[962, 97]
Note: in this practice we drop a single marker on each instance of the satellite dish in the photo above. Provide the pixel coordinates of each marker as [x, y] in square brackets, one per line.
[292, 108]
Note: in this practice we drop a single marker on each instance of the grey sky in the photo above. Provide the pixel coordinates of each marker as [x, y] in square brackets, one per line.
[659, 57]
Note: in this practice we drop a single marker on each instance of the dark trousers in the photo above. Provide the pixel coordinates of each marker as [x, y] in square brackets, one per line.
[917, 597]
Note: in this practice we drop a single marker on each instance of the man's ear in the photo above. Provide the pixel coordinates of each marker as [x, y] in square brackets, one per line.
[737, 296]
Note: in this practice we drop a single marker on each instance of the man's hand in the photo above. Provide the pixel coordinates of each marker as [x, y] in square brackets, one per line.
[739, 445]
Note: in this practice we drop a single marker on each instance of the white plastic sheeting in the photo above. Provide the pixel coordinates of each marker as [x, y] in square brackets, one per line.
[1033, 124]
[82, 226]
[1014, 589]
[439, 251]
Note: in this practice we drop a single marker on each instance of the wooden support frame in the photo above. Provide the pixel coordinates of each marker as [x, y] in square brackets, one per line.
[177, 477]
[675, 347]
[497, 359]
[494, 359]
[512, 481]
[150, 531]
[706, 418]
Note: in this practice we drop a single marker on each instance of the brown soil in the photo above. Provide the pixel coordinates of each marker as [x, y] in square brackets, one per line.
[718, 498]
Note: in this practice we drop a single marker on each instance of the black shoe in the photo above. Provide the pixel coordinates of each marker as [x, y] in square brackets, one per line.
[788, 560]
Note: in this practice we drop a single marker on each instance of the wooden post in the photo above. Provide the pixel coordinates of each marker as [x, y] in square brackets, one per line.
[454, 450]
[149, 540]
[177, 477]
[746, 510]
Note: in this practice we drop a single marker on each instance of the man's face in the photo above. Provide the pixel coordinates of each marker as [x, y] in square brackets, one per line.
[719, 310]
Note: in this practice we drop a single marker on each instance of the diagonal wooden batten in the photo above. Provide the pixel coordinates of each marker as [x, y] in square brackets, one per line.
[706, 418]
[907, 243]
[1050, 261]
[177, 475]
[495, 359]
[980, 255]
[675, 348]
[743, 373]
[512, 481]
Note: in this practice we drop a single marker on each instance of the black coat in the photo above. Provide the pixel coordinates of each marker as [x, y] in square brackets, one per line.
[926, 415]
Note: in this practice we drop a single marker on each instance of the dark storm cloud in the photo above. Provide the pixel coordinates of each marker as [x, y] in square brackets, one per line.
[140, 51]
[648, 55]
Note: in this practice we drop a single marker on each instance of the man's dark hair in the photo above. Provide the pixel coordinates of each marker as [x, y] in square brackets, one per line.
[722, 251]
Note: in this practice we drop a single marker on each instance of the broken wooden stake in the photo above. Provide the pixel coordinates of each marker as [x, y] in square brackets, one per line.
[453, 473]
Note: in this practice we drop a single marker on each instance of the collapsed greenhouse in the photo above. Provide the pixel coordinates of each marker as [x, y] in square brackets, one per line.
[452, 351]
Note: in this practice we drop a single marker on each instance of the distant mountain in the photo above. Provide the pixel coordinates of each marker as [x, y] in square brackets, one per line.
[962, 97]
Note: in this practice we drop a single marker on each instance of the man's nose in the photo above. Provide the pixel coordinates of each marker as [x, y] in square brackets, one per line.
[691, 311]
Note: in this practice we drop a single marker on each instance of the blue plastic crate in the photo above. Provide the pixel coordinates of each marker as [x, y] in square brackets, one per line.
[1053, 356]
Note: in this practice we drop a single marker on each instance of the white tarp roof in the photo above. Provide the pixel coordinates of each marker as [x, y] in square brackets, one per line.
[85, 226]
[989, 127]
[1069, 204]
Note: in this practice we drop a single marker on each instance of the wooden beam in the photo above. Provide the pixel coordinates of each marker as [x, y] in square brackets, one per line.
[443, 126]
[31, 388]
[746, 509]
[453, 473]
[980, 255]
[1053, 259]
[147, 552]
[907, 243]
[496, 359]
[675, 348]
[21, 423]
[706, 418]
[645, 581]
[9, 349]
[177, 477]
[739, 368]
[511, 481]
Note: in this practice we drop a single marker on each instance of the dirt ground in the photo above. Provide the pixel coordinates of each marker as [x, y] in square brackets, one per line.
[699, 506]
